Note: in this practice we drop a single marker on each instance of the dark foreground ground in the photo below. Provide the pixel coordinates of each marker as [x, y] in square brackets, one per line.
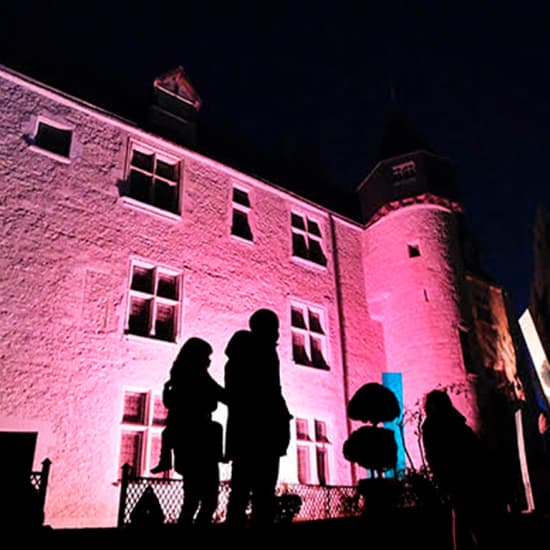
[400, 531]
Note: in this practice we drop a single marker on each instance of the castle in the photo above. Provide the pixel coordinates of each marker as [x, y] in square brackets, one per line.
[119, 243]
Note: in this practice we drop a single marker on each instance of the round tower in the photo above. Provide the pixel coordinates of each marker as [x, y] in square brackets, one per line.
[415, 281]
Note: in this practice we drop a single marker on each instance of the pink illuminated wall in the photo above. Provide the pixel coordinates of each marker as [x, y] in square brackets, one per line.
[417, 299]
[69, 241]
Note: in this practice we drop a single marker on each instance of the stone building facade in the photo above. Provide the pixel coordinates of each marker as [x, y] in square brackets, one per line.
[119, 244]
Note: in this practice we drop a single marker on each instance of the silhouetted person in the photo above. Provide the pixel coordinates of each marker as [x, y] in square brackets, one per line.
[463, 472]
[258, 425]
[197, 439]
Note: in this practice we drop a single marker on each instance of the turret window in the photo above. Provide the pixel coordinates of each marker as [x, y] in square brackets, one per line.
[404, 171]
[414, 251]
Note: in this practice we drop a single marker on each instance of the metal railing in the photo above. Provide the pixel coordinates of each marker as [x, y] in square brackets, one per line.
[315, 501]
[39, 481]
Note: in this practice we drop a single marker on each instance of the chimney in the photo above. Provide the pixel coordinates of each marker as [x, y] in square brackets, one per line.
[175, 107]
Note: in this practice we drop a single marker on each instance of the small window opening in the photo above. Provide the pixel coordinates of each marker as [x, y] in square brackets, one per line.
[414, 251]
[55, 140]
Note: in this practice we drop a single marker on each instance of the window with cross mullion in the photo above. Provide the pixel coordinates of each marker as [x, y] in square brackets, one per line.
[154, 302]
[307, 241]
[309, 341]
[153, 178]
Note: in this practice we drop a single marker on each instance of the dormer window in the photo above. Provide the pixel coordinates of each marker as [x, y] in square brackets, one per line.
[404, 171]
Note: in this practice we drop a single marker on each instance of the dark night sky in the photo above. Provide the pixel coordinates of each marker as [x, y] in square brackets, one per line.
[306, 87]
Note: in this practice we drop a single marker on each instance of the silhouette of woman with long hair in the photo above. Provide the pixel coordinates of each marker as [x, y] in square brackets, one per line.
[197, 440]
[461, 468]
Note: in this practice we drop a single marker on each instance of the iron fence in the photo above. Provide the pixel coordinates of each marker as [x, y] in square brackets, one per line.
[39, 481]
[316, 502]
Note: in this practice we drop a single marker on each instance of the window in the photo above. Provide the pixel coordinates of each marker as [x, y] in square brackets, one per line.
[309, 345]
[466, 349]
[304, 473]
[404, 171]
[143, 418]
[53, 138]
[240, 224]
[308, 448]
[414, 251]
[154, 178]
[302, 430]
[154, 302]
[307, 239]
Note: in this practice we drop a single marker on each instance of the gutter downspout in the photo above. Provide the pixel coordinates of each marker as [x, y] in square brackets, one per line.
[341, 331]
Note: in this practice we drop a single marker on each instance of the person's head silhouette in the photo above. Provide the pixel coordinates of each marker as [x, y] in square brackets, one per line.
[194, 354]
[437, 401]
[264, 324]
[438, 405]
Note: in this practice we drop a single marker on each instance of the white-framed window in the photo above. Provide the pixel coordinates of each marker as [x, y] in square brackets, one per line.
[307, 240]
[53, 138]
[240, 214]
[154, 302]
[312, 451]
[309, 335]
[143, 419]
[404, 171]
[153, 178]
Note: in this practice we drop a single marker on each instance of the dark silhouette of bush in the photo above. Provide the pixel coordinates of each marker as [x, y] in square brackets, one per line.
[371, 446]
[374, 447]
[373, 403]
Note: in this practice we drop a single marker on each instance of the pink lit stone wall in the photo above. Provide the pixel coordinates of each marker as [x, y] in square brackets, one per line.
[418, 299]
[68, 240]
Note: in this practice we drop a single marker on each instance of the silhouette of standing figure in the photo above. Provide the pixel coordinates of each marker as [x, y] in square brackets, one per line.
[197, 440]
[258, 424]
[462, 470]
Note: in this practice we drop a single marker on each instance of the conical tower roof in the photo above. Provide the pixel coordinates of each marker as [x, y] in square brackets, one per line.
[400, 137]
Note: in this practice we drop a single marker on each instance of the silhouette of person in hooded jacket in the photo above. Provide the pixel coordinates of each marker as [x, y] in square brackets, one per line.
[258, 424]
